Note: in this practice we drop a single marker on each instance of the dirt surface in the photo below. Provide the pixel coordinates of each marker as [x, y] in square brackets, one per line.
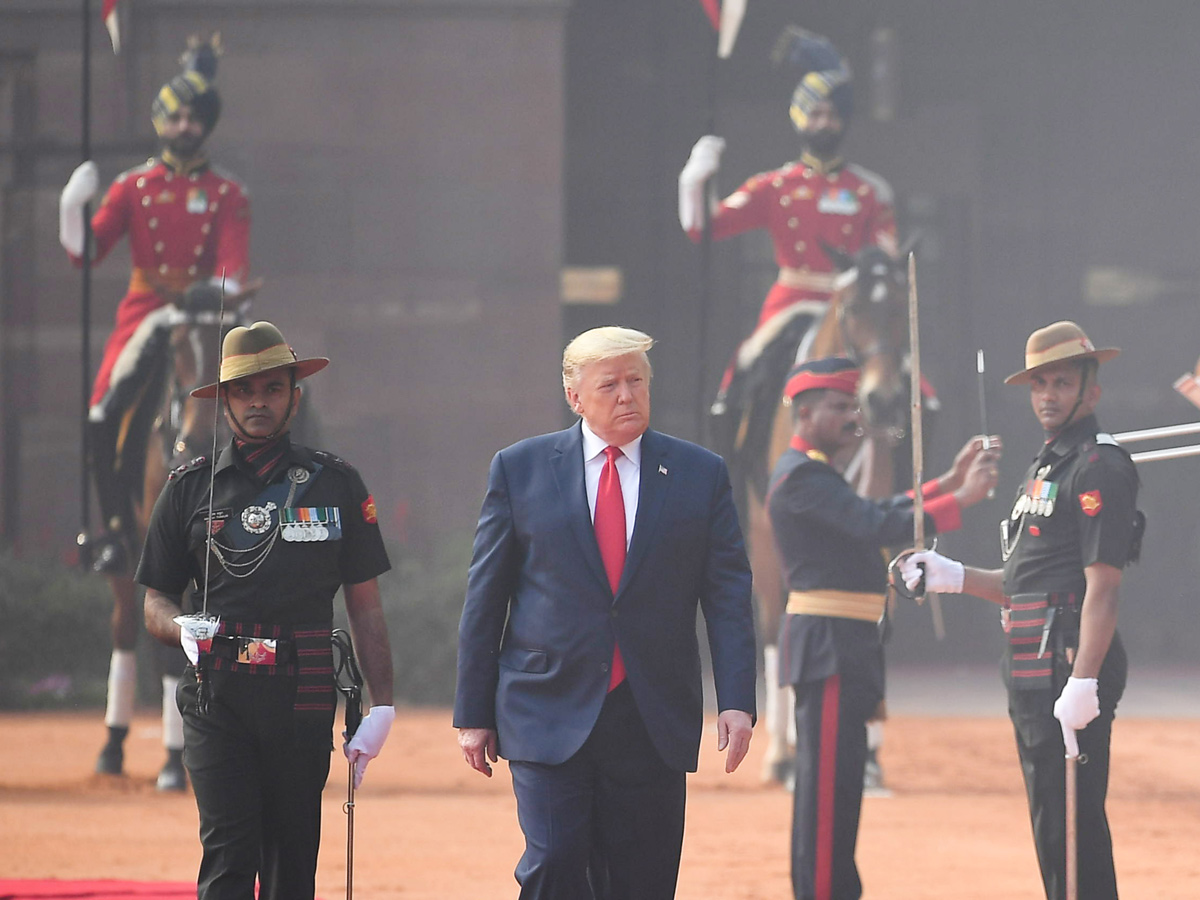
[428, 827]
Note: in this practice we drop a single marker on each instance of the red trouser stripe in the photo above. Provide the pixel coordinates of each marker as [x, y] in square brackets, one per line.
[826, 783]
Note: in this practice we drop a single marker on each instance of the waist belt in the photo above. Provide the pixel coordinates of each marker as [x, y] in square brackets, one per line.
[256, 650]
[840, 604]
[800, 279]
[144, 281]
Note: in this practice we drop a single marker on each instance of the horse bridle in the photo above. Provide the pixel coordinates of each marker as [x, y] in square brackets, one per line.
[175, 443]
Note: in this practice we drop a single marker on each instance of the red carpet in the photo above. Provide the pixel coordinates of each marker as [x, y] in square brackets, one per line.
[100, 889]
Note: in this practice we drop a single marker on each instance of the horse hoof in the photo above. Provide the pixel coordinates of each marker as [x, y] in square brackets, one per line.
[172, 777]
[873, 785]
[109, 556]
[780, 771]
[111, 760]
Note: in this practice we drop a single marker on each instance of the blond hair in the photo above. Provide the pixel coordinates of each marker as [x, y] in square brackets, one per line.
[596, 344]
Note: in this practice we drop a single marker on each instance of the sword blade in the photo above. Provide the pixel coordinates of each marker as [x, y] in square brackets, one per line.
[918, 436]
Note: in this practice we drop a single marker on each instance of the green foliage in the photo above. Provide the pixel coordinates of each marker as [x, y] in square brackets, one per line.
[54, 636]
[422, 601]
[55, 641]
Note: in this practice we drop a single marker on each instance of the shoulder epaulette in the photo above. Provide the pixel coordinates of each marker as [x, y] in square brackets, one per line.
[332, 459]
[137, 170]
[877, 182]
[199, 462]
[225, 175]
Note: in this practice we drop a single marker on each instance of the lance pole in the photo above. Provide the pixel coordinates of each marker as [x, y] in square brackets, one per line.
[918, 436]
[85, 306]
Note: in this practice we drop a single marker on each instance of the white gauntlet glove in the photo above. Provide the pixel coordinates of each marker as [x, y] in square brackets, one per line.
[703, 163]
[195, 634]
[1078, 703]
[942, 574]
[80, 188]
[368, 740]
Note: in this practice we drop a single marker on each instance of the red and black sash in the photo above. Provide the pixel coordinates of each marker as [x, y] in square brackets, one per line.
[1040, 625]
[309, 659]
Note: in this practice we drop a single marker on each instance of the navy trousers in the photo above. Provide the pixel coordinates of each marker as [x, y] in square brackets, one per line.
[831, 753]
[607, 823]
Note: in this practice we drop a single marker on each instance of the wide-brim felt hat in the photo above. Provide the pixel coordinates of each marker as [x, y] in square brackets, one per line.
[250, 350]
[1061, 342]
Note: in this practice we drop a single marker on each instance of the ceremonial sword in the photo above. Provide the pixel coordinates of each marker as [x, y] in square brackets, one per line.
[918, 438]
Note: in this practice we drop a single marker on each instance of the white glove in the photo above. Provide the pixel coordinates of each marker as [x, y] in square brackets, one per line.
[195, 634]
[1078, 703]
[80, 188]
[702, 164]
[368, 740]
[942, 574]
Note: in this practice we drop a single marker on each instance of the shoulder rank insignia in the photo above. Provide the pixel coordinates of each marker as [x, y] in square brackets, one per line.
[332, 459]
[188, 466]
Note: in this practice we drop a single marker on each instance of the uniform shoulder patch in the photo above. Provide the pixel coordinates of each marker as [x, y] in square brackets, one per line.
[1091, 503]
[199, 462]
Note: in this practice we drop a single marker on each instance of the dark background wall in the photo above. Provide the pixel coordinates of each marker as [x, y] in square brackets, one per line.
[422, 170]
[1036, 148]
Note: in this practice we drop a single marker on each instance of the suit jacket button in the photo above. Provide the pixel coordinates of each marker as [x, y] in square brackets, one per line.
[603, 667]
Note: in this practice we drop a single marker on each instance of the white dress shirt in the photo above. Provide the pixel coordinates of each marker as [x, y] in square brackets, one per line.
[629, 468]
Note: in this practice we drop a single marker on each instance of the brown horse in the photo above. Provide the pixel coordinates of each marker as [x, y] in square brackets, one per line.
[175, 349]
[866, 320]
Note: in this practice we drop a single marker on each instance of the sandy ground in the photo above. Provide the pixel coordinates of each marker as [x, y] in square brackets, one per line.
[428, 827]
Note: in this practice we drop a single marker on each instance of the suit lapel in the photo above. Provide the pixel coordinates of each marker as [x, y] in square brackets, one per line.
[652, 492]
[566, 461]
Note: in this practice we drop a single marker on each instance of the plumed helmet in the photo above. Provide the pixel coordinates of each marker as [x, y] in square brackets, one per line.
[825, 74]
[193, 87]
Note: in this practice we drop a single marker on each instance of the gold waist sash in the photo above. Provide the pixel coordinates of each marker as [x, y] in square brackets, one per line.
[801, 279]
[839, 604]
[143, 281]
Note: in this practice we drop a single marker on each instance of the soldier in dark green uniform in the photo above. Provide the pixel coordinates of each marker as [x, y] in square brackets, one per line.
[1074, 526]
[285, 529]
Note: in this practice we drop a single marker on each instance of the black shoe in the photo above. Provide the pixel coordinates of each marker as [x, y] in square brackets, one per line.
[172, 777]
[112, 756]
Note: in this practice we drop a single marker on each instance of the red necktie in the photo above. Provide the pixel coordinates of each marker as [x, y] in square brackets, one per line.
[609, 523]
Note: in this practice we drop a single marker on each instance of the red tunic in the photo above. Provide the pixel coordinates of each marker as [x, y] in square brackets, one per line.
[802, 207]
[182, 228]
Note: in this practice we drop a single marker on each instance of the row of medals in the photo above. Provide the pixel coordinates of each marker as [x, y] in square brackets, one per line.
[1037, 498]
[257, 519]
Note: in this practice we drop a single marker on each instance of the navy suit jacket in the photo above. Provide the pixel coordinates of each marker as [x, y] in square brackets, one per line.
[538, 626]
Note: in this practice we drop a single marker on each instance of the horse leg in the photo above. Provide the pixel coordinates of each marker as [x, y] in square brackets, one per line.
[169, 661]
[122, 674]
[768, 590]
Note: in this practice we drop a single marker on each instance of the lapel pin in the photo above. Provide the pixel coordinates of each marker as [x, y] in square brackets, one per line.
[662, 470]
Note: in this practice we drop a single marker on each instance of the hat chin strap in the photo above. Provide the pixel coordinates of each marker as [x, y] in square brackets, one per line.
[1083, 383]
[287, 419]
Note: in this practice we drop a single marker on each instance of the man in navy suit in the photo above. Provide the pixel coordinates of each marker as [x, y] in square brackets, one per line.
[578, 657]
